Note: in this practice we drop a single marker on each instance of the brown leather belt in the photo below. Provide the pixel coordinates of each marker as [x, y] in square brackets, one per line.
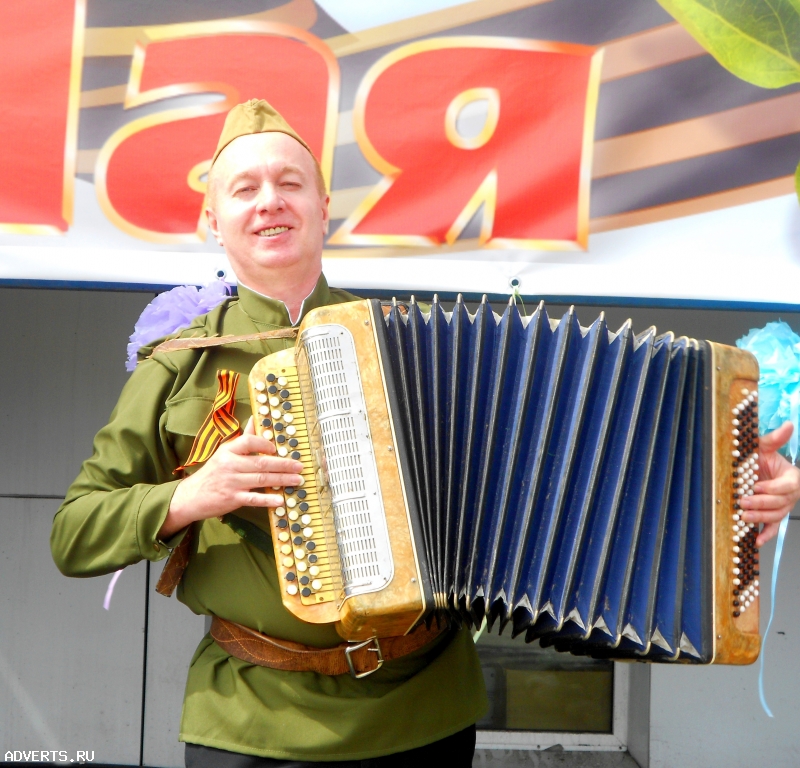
[359, 659]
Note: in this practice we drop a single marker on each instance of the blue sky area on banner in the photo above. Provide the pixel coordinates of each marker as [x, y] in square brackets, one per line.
[744, 255]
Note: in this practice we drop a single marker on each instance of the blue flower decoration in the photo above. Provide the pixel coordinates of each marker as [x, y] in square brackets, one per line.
[777, 349]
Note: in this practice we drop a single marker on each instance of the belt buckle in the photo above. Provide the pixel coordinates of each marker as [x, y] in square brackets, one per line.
[358, 646]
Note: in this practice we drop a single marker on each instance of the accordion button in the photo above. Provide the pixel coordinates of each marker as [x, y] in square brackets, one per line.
[272, 390]
[276, 414]
[286, 549]
[281, 438]
[301, 494]
[288, 562]
[306, 592]
[305, 519]
[296, 455]
[295, 528]
[309, 546]
[292, 513]
[301, 566]
[280, 511]
[298, 540]
[308, 532]
[283, 536]
[270, 377]
[268, 434]
[299, 554]
[312, 558]
[304, 506]
[285, 393]
[291, 589]
[288, 418]
[282, 524]
[290, 502]
[287, 406]
[314, 570]
[260, 385]
[261, 398]
[273, 401]
[283, 451]
[266, 423]
[304, 579]
[290, 430]
[282, 382]
[263, 410]
[278, 427]
[294, 442]
[316, 584]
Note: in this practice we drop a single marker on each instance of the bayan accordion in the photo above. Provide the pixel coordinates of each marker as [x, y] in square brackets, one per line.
[578, 484]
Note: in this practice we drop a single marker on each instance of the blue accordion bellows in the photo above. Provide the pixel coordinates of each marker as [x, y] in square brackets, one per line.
[558, 476]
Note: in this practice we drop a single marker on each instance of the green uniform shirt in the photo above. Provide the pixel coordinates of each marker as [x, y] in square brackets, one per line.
[116, 506]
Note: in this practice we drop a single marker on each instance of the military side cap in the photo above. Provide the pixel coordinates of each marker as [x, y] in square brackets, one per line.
[254, 116]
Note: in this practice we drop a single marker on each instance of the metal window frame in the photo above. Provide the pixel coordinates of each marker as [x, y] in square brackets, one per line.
[616, 741]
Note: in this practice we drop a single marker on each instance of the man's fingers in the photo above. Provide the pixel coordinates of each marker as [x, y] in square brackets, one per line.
[770, 532]
[763, 501]
[248, 443]
[267, 480]
[775, 439]
[273, 464]
[786, 484]
[766, 515]
[258, 499]
[250, 427]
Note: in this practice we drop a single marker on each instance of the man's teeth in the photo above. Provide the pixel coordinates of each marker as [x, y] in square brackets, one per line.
[272, 231]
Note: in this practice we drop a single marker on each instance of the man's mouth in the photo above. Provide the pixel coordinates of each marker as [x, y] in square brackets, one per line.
[272, 231]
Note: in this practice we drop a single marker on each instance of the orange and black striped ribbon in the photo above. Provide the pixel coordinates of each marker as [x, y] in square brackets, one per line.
[220, 425]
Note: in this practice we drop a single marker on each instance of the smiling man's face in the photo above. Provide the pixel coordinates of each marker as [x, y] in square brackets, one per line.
[267, 210]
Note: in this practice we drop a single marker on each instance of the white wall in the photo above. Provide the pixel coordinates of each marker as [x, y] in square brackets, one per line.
[72, 676]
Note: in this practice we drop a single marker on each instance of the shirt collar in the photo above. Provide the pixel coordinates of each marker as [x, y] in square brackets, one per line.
[264, 310]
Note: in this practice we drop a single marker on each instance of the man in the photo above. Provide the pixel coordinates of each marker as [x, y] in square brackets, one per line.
[267, 206]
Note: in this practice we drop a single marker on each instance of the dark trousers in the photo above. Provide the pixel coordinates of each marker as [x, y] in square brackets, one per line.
[455, 751]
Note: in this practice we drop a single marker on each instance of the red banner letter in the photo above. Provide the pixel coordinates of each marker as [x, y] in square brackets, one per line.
[148, 172]
[529, 166]
[41, 54]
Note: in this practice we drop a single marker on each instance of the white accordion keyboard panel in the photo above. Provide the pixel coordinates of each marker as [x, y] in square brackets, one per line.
[352, 474]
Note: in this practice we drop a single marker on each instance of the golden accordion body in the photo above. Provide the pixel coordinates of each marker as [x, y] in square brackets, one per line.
[578, 485]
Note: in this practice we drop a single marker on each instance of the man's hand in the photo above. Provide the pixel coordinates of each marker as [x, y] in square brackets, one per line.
[778, 488]
[227, 480]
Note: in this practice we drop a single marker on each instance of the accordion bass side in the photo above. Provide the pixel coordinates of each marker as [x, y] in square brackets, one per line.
[577, 484]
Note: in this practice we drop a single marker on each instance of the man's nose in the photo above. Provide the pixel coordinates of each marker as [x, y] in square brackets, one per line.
[269, 199]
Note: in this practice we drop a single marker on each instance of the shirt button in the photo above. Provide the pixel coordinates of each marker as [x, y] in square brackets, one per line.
[156, 547]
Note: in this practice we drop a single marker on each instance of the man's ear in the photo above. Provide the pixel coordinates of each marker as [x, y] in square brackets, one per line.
[326, 216]
[213, 225]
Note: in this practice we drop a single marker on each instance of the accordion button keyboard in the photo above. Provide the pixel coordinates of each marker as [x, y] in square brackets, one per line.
[304, 547]
[744, 555]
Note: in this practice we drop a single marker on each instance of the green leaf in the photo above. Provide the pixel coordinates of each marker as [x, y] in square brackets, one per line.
[797, 181]
[757, 40]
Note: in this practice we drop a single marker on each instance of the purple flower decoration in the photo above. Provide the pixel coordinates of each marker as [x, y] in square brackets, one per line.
[171, 311]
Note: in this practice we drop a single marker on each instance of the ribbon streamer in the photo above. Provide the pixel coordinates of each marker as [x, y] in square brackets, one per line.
[110, 590]
[775, 565]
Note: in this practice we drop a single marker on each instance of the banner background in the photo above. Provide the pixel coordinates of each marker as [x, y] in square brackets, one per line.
[691, 198]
